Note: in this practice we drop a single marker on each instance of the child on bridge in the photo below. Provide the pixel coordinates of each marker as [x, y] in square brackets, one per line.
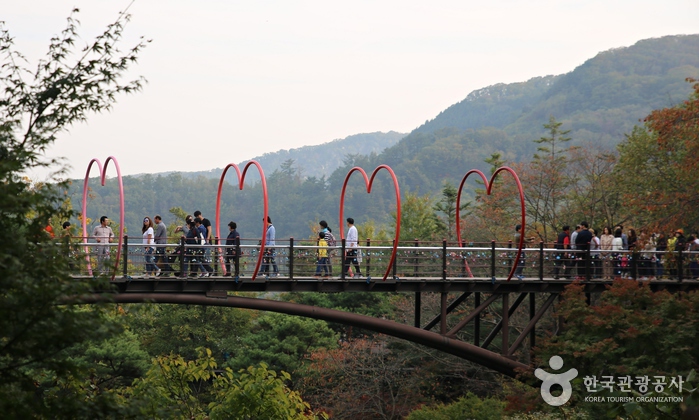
[322, 264]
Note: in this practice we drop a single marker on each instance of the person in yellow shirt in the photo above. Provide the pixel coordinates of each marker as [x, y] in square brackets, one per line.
[322, 264]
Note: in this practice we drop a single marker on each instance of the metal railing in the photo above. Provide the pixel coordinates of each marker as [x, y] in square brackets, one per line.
[416, 260]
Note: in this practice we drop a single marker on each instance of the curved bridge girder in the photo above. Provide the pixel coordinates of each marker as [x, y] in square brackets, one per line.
[458, 348]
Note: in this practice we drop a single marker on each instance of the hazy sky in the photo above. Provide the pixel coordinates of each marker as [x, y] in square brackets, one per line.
[231, 80]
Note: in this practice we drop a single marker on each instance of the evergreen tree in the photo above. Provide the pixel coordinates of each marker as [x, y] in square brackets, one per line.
[447, 206]
[546, 180]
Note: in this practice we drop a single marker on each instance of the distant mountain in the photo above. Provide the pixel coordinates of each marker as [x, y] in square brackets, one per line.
[316, 161]
[599, 101]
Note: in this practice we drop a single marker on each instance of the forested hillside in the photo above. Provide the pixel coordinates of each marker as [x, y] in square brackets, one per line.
[318, 161]
[599, 102]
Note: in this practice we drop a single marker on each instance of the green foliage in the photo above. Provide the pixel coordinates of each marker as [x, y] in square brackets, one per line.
[447, 207]
[37, 329]
[283, 341]
[365, 303]
[112, 363]
[466, 407]
[612, 336]
[546, 181]
[258, 393]
[177, 388]
[418, 219]
[562, 413]
[183, 329]
[380, 305]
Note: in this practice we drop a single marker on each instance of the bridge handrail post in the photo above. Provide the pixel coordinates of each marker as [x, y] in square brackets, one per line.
[368, 258]
[343, 256]
[587, 262]
[492, 259]
[216, 256]
[680, 269]
[541, 260]
[395, 261]
[444, 259]
[291, 258]
[635, 256]
[416, 270]
[126, 255]
[182, 254]
[509, 254]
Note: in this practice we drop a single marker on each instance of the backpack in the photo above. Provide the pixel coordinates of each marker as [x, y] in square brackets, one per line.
[330, 239]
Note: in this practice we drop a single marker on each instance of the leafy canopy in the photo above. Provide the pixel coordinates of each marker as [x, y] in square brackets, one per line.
[35, 329]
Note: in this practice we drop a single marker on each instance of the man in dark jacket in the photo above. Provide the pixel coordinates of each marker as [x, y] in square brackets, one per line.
[233, 250]
[582, 244]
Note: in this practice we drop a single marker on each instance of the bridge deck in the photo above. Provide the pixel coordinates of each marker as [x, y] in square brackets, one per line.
[214, 285]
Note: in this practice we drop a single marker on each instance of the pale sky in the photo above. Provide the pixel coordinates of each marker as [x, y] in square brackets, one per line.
[235, 80]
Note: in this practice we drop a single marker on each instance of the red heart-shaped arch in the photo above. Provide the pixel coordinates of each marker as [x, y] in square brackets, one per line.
[103, 178]
[489, 186]
[369, 183]
[241, 184]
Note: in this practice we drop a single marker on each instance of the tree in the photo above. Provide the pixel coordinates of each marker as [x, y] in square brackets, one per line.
[466, 407]
[447, 206]
[594, 195]
[495, 215]
[35, 328]
[257, 393]
[612, 336]
[283, 341]
[365, 378]
[178, 388]
[657, 167]
[546, 180]
[418, 219]
[182, 329]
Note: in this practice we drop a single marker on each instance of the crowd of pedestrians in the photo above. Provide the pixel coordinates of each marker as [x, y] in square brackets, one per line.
[614, 253]
[196, 256]
[581, 253]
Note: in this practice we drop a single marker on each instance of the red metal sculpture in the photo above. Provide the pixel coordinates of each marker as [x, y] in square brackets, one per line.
[103, 178]
[489, 186]
[241, 184]
[369, 183]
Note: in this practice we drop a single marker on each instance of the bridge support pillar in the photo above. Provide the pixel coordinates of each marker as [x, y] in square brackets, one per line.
[418, 305]
[505, 323]
[477, 322]
[532, 314]
[443, 320]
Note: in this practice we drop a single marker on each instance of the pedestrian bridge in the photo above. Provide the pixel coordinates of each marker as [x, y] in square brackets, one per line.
[485, 314]
[477, 301]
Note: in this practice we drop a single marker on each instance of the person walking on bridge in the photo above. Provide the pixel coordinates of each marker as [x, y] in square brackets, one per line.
[351, 252]
[204, 254]
[161, 239]
[582, 243]
[270, 252]
[148, 241]
[233, 250]
[330, 239]
[103, 234]
[322, 262]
